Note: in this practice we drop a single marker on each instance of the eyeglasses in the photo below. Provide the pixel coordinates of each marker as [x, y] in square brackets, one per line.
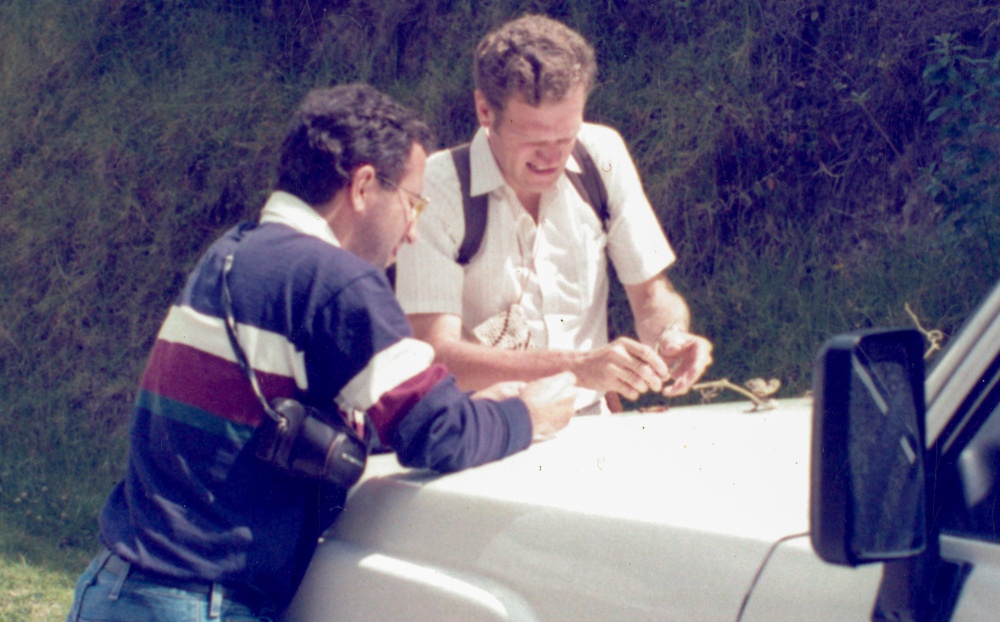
[416, 206]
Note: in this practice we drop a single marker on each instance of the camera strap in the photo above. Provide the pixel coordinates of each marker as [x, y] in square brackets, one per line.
[241, 357]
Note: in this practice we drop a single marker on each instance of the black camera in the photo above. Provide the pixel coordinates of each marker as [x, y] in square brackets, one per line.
[310, 443]
[301, 440]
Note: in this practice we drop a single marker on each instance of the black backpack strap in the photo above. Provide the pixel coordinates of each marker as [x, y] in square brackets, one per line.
[588, 183]
[475, 208]
[591, 187]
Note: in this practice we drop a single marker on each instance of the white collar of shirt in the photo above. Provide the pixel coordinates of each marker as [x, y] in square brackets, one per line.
[289, 210]
[485, 176]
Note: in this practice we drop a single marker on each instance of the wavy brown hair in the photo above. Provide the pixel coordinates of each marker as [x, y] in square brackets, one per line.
[335, 130]
[535, 56]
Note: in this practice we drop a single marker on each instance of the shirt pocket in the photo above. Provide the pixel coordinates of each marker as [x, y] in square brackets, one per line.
[575, 263]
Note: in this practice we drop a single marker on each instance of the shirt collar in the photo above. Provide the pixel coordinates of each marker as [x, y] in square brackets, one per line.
[289, 210]
[485, 175]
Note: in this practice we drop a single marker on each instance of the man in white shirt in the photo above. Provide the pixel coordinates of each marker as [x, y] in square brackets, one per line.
[542, 263]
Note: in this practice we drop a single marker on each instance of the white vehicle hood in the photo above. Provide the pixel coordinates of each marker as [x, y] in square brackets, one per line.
[665, 515]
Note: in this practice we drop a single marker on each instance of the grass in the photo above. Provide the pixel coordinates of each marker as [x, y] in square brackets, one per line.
[36, 576]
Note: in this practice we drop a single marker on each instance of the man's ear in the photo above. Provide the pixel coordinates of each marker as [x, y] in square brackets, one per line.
[364, 181]
[484, 111]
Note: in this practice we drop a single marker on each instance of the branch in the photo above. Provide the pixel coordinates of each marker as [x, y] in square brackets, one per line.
[758, 391]
[933, 336]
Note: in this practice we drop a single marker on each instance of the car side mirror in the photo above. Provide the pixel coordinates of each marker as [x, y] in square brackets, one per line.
[869, 489]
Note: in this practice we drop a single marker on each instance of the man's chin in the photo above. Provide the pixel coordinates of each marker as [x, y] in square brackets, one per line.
[539, 182]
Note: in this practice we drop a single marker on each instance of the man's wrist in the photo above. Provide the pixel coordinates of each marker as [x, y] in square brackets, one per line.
[672, 327]
[574, 362]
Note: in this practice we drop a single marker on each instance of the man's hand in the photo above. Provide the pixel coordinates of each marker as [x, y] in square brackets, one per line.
[624, 366]
[500, 391]
[687, 355]
[548, 402]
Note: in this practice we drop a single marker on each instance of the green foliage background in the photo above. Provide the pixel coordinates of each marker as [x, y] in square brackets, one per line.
[817, 166]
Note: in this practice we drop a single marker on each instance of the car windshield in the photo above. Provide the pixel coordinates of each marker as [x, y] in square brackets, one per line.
[963, 393]
[958, 370]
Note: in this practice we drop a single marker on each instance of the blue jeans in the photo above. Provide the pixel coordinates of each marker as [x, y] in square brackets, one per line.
[103, 595]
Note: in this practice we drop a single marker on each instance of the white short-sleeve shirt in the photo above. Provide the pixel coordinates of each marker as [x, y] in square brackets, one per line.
[556, 269]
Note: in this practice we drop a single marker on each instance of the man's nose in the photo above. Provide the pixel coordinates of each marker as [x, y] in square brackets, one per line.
[549, 154]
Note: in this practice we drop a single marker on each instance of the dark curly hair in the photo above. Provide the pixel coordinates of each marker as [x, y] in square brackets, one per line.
[337, 129]
[536, 56]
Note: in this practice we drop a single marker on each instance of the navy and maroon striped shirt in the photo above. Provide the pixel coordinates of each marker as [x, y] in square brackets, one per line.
[317, 324]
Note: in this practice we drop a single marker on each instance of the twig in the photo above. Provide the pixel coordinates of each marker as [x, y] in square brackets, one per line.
[760, 397]
[858, 99]
[933, 336]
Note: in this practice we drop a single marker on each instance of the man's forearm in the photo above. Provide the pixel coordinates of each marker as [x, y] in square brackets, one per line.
[657, 307]
[625, 365]
[447, 431]
[477, 366]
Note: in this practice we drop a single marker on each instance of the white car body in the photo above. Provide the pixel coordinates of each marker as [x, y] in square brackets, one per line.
[695, 513]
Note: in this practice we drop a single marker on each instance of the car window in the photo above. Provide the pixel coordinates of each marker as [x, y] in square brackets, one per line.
[970, 482]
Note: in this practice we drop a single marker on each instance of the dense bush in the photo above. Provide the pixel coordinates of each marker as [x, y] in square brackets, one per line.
[817, 166]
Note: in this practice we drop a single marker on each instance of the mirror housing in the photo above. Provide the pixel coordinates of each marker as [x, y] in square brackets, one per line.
[869, 485]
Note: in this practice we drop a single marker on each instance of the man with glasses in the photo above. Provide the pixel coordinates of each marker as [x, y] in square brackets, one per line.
[417, 202]
[202, 527]
[539, 283]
